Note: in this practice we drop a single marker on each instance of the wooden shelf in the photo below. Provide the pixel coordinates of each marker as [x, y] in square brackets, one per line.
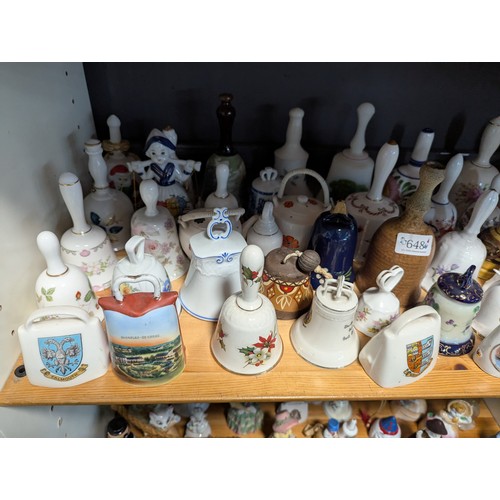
[292, 379]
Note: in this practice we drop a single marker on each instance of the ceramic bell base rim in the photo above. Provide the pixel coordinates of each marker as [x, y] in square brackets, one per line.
[456, 349]
[319, 357]
[148, 383]
[212, 318]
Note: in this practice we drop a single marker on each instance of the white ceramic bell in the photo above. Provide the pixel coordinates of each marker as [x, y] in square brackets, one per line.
[263, 231]
[488, 317]
[351, 170]
[477, 173]
[442, 216]
[85, 245]
[158, 227]
[214, 270]
[378, 307]
[246, 340]
[404, 180]
[63, 284]
[292, 156]
[106, 207]
[263, 189]
[221, 197]
[325, 335]
[136, 263]
[62, 346]
[406, 350]
[487, 353]
[457, 250]
[339, 409]
[371, 209]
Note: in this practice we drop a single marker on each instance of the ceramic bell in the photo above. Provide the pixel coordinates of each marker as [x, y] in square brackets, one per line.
[296, 214]
[339, 409]
[292, 156]
[246, 339]
[405, 351]
[85, 245]
[221, 197]
[457, 250]
[408, 410]
[244, 418]
[488, 317]
[163, 416]
[263, 189]
[378, 307]
[386, 427]
[214, 271]
[137, 263]
[262, 230]
[371, 208]
[457, 298]
[106, 207]
[487, 354]
[351, 170]
[144, 333]
[62, 346]
[442, 216]
[477, 173]
[157, 225]
[167, 170]
[349, 429]
[198, 426]
[404, 180]
[286, 280]
[63, 284]
[325, 335]
[435, 427]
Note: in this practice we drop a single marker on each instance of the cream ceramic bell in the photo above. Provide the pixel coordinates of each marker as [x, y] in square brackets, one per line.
[457, 250]
[488, 317]
[263, 189]
[404, 180]
[157, 225]
[63, 284]
[263, 231]
[62, 346]
[136, 263]
[292, 156]
[246, 340]
[106, 207]
[221, 197]
[325, 335]
[442, 216]
[378, 307]
[477, 173]
[371, 209]
[409, 410]
[296, 214]
[406, 350]
[339, 409]
[487, 353]
[85, 245]
[351, 170]
[214, 271]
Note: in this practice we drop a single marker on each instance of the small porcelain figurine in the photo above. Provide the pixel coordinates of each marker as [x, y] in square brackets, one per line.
[162, 416]
[198, 426]
[409, 410]
[314, 430]
[386, 427]
[339, 409]
[349, 429]
[167, 170]
[332, 429]
[301, 407]
[284, 423]
[435, 427]
[461, 413]
[244, 418]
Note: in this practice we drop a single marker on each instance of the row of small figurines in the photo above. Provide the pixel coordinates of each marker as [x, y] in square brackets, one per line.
[247, 418]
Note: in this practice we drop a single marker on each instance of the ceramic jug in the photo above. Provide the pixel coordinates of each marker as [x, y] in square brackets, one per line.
[85, 245]
[371, 208]
[62, 346]
[292, 156]
[144, 333]
[487, 353]
[457, 250]
[221, 197]
[351, 170]
[457, 298]
[246, 339]
[477, 173]
[296, 214]
[157, 225]
[404, 180]
[442, 216]
[63, 284]
[263, 189]
[378, 307]
[263, 231]
[406, 241]
[325, 335]
[214, 271]
[106, 207]
[405, 351]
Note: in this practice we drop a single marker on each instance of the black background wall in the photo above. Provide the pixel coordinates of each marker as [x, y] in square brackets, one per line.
[455, 99]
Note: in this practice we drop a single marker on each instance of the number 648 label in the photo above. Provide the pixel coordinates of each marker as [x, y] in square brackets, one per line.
[413, 244]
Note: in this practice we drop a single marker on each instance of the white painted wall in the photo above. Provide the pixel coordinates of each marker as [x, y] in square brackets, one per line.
[45, 120]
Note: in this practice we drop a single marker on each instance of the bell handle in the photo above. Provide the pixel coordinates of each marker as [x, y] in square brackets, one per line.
[268, 174]
[134, 248]
[118, 295]
[208, 214]
[389, 278]
[333, 284]
[67, 311]
[483, 207]
[411, 315]
[312, 173]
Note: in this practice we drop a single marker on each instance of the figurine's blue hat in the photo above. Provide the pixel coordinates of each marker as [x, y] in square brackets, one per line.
[389, 425]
